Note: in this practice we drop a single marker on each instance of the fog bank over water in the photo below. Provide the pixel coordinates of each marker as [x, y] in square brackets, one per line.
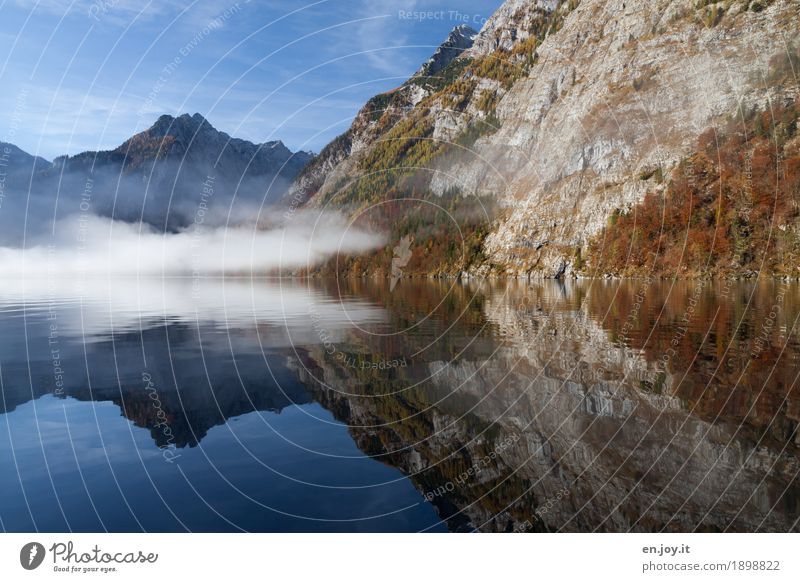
[91, 245]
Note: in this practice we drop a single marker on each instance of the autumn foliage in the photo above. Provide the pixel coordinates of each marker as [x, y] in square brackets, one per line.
[731, 208]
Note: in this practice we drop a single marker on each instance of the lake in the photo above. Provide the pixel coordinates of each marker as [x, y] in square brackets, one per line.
[283, 405]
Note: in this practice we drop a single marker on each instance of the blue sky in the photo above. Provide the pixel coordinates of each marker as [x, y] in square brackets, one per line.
[83, 75]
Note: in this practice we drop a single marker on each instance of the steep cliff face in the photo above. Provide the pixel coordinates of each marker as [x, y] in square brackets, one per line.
[623, 89]
[511, 24]
[566, 112]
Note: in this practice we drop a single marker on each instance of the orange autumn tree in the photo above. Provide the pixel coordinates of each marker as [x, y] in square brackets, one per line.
[729, 208]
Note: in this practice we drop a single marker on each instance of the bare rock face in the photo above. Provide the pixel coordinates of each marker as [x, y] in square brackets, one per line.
[621, 89]
[593, 97]
[510, 24]
[460, 39]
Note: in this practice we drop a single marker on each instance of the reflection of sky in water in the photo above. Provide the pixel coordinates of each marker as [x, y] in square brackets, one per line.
[84, 466]
[95, 306]
[107, 474]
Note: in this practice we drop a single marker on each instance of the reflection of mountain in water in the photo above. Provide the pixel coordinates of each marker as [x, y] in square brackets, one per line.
[196, 390]
[536, 407]
[566, 422]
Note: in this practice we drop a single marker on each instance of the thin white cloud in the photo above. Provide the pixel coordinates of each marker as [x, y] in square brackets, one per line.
[386, 33]
[113, 11]
[109, 247]
[70, 121]
[122, 12]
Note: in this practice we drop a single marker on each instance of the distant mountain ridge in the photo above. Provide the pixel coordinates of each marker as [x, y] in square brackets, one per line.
[157, 177]
[193, 139]
[13, 160]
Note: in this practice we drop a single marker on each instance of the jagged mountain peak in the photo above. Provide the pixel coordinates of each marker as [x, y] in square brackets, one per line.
[166, 120]
[195, 127]
[459, 40]
[183, 126]
[461, 31]
[510, 24]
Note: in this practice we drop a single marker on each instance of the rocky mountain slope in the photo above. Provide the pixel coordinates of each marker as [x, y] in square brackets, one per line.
[378, 116]
[15, 162]
[160, 176]
[563, 114]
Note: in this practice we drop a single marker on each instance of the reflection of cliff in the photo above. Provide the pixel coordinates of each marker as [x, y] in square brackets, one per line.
[583, 414]
[730, 349]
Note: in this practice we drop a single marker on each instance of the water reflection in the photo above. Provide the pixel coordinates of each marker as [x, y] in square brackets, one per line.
[502, 406]
[630, 406]
[181, 413]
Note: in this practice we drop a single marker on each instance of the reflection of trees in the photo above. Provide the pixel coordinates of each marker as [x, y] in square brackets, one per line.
[716, 354]
[547, 361]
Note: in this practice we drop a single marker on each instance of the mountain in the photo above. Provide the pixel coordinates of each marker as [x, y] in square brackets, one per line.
[192, 140]
[178, 172]
[160, 174]
[379, 114]
[15, 162]
[460, 39]
[564, 116]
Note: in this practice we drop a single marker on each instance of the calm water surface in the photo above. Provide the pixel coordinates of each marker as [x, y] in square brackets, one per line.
[274, 405]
